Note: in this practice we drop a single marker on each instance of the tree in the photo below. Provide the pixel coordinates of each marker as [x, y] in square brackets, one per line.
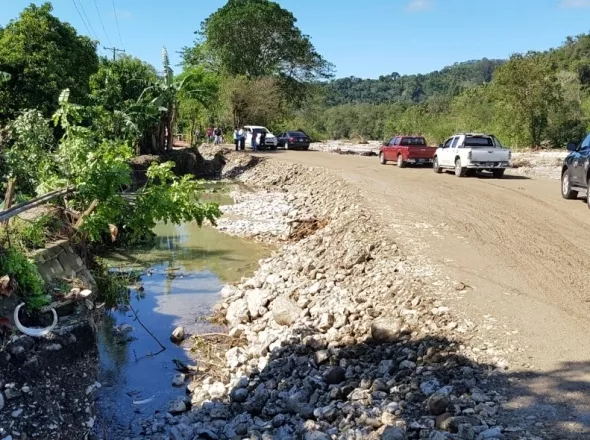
[120, 82]
[257, 38]
[43, 56]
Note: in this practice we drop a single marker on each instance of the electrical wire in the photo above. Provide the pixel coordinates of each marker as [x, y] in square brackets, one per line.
[82, 19]
[118, 28]
[87, 19]
[101, 23]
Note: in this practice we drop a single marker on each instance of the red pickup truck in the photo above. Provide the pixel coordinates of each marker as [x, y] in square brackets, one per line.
[405, 150]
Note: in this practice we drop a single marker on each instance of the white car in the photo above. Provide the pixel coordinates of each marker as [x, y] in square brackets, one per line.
[271, 140]
[468, 153]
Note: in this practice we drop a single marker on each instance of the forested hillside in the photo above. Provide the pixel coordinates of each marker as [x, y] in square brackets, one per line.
[531, 100]
[449, 81]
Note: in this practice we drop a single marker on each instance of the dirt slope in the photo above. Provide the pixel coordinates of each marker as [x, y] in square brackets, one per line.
[523, 250]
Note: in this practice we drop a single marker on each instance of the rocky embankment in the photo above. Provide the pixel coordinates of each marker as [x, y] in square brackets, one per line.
[337, 335]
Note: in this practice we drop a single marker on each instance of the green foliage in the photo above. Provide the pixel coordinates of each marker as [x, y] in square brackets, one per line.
[30, 285]
[43, 56]
[112, 290]
[28, 136]
[449, 81]
[119, 83]
[274, 45]
[28, 235]
[168, 198]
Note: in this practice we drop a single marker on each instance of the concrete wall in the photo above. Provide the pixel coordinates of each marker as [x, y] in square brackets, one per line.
[58, 260]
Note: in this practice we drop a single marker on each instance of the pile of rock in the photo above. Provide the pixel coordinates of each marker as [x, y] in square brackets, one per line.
[345, 340]
[370, 148]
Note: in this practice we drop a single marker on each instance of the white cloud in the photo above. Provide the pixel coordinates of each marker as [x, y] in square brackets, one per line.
[574, 4]
[420, 5]
[122, 14]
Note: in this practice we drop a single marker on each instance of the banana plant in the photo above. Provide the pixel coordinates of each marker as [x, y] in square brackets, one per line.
[161, 100]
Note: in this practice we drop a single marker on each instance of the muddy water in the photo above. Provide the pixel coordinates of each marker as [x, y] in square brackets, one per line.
[182, 275]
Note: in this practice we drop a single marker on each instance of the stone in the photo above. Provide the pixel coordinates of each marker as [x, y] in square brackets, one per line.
[239, 395]
[178, 335]
[407, 365]
[437, 404]
[178, 406]
[2, 404]
[12, 393]
[334, 375]
[182, 431]
[236, 356]
[321, 356]
[217, 390]
[452, 424]
[236, 332]
[492, 433]
[386, 329]
[316, 435]
[178, 379]
[437, 435]
[466, 432]
[256, 300]
[429, 387]
[285, 311]
[237, 312]
[17, 413]
[393, 433]
[326, 322]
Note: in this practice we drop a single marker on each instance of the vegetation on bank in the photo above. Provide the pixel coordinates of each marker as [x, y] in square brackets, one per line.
[69, 117]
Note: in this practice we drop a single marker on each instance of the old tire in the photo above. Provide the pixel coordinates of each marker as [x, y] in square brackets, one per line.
[400, 161]
[566, 187]
[435, 166]
[382, 160]
[498, 174]
[459, 170]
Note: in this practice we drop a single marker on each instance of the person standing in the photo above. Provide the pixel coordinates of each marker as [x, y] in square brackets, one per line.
[262, 142]
[237, 138]
[242, 134]
[209, 134]
[217, 136]
[254, 136]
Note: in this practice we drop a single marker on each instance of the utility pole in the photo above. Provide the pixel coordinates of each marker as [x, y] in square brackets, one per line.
[115, 50]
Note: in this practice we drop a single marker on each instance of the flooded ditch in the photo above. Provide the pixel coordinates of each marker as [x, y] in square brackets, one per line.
[181, 276]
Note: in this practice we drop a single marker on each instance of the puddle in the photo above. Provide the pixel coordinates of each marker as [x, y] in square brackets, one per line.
[204, 259]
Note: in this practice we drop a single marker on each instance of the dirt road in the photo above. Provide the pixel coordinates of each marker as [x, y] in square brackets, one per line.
[523, 250]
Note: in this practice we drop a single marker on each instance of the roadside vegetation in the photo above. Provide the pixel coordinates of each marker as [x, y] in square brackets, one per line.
[70, 118]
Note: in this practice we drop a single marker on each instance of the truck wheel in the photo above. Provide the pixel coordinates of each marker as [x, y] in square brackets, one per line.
[286, 146]
[382, 160]
[273, 147]
[400, 161]
[566, 187]
[435, 166]
[498, 174]
[459, 170]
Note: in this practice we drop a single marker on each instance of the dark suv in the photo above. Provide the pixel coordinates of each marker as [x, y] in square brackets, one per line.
[575, 173]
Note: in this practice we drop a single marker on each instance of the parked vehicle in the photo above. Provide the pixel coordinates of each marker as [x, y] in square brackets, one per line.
[271, 140]
[575, 172]
[468, 153]
[406, 150]
[293, 140]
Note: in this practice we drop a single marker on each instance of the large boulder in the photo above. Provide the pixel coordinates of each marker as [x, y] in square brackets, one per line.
[386, 329]
[237, 312]
[256, 299]
[285, 311]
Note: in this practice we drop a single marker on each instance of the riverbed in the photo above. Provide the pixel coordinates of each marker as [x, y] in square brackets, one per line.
[181, 276]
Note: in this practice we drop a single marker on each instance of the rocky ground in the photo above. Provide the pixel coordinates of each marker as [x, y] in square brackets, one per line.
[543, 164]
[370, 148]
[340, 335]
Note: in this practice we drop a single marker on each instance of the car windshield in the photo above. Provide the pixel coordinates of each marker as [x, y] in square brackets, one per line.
[413, 141]
[295, 133]
[479, 141]
[260, 130]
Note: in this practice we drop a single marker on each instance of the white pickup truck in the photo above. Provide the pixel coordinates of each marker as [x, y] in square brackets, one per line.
[468, 153]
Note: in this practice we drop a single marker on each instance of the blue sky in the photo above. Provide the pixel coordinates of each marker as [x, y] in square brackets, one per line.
[364, 38]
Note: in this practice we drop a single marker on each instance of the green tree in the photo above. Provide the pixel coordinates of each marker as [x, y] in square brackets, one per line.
[257, 38]
[43, 56]
[120, 82]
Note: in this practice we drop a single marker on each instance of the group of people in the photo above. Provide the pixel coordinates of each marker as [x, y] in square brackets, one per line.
[240, 134]
[214, 135]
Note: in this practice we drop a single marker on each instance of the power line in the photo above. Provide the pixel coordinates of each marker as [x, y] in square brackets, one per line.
[87, 19]
[101, 22]
[117, 21]
[82, 19]
[115, 50]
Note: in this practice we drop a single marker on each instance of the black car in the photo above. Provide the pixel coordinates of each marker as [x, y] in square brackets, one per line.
[575, 173]
[294, 140]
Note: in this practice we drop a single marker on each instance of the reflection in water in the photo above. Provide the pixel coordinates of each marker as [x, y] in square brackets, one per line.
[203, 259]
